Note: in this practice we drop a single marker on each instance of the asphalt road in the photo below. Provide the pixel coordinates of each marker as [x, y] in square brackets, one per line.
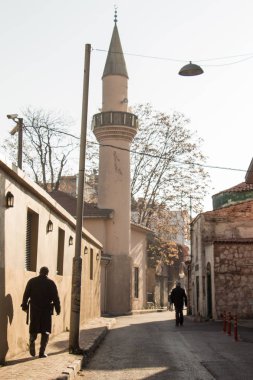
[149, 346]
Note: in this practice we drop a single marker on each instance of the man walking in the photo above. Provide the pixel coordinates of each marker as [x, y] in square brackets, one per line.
[42, 296]
[179, 298]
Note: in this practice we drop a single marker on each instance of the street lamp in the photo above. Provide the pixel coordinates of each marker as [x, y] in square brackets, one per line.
[190, 70]
[9, 199]
[74, 347]
[50, 226]
[18, 128]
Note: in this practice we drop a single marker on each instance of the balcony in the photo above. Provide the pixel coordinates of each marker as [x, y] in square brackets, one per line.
[116, 118]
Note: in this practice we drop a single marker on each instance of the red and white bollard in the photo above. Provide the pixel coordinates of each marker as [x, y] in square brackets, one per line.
[224, 322]
[229, 323]
[235, 328]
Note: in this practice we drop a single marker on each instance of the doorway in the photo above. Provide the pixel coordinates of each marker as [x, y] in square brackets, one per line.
[209, 291]
[197, 293]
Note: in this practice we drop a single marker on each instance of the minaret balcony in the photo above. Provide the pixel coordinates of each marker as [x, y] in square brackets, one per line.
[115, 118]
[115, 124]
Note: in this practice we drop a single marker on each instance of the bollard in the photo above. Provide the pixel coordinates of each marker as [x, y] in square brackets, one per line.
[229, 323]
[224, 322]
[235, 328]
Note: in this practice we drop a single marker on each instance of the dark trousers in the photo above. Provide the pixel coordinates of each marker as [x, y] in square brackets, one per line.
[43, 341]
[179, 316]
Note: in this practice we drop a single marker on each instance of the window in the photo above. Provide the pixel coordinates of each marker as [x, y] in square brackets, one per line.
[91, 264]
[32, 227]
[60, 254]
[136, 282]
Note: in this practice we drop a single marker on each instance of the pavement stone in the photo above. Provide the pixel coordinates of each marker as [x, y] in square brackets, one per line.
[59, 365]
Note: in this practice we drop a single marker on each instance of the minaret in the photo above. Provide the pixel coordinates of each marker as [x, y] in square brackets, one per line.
[115, 129]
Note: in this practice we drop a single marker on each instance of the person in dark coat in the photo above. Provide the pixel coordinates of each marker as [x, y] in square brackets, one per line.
[179, 298]
[41, 296]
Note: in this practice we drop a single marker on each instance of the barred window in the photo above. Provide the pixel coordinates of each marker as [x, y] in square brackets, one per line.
[91, 264]
[60, 253]
[32, 227]
[136, 282]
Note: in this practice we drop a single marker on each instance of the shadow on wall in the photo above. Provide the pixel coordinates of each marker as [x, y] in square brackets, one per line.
[6, 304]
[6, 316]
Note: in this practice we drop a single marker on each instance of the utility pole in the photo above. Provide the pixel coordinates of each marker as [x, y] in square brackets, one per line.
[20, 142]
[74, 347]
[18, 128]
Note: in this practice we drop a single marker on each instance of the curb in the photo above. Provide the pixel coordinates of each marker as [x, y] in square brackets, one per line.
[146, 311]
[90, 350]
[70, 372]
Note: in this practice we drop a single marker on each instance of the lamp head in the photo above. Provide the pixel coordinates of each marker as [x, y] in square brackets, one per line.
[191, 69]
[12, 116]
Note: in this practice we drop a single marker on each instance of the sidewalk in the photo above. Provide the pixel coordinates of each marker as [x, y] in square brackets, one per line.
[59, 364]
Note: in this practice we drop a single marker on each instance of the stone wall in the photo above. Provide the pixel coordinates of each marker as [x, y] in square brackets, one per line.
[233, 275]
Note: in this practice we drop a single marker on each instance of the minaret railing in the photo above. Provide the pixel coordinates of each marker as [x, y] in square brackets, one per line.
[115, 118]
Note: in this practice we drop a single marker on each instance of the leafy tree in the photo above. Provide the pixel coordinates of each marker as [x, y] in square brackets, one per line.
[167, 165]
[161, 252]
[46, 146]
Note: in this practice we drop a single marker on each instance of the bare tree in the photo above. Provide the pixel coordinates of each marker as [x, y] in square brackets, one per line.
[167, 165]
[46, 148]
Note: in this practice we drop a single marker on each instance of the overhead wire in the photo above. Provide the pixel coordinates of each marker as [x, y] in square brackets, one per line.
[150, 154]
[247, 56]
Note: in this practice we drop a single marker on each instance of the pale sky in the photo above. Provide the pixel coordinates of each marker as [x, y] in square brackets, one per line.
[42, 56]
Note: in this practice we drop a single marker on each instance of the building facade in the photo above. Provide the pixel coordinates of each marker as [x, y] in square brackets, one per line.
[36, 231]
[222, 262]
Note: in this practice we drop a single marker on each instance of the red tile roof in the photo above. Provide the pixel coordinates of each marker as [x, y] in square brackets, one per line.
[243, 186]
[245, 208]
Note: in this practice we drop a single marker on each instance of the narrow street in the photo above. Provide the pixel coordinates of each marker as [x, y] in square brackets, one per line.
[149, 346]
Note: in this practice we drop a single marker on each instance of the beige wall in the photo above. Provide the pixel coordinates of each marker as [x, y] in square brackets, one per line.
[139, 260]
[115, 89]
[90, 290]
[114, 193]
[98, 228]
[118, 289]
[14, 332]
[119, 285]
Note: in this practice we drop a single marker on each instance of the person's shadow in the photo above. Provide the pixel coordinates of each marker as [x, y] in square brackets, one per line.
[6, 316]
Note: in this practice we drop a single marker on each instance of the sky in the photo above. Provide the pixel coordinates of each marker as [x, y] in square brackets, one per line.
[42, 44]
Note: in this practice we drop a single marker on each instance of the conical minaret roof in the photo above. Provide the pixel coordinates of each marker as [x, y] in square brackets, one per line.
[115, 62]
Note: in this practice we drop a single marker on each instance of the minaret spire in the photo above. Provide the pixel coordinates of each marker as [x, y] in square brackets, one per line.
[115, 62]
[115, 14]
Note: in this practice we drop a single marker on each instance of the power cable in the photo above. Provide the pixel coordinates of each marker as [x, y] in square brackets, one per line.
[149, 154]
[246, 56]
